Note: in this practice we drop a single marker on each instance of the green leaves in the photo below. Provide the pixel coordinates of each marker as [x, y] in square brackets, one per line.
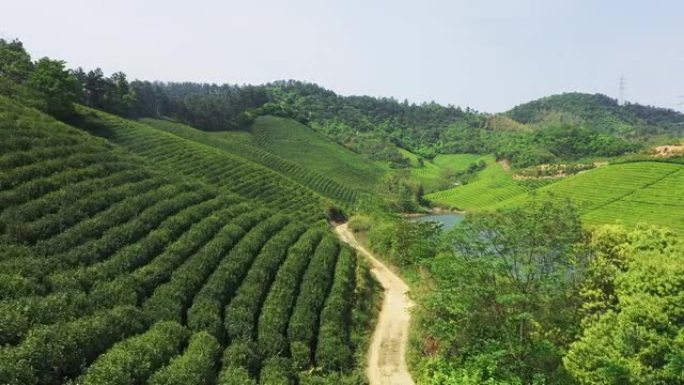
[313, 292]
[634, 335]
[505, 291]
[58, 86]
[132, 361]
[196, 366]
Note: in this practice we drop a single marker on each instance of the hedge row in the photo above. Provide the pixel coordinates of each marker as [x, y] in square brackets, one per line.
[51, 354]
[41, 186]
[140, 253]
[35, 154]
[241, 315]
[57, 200]
[196, 366]
[49, 224]
[313, 292]
[116, 237]
[15, 177]
[217, 167]
[18, 315]
[171, 300]
[133, 361]
[277, 371]
[117, 214]
[276, 310]
[240, 364]
[206, 312]
[333, 352]
[135, 287]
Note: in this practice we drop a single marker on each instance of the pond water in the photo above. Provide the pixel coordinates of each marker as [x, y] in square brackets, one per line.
[446, 220]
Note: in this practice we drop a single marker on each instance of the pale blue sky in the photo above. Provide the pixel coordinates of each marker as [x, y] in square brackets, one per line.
[488, 54]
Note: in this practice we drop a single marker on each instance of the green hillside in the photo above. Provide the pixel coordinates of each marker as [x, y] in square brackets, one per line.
[119, 268]
[219, 168]
[603, 114]
[241, 143]
[629, 193]
[435, 174]
[299, 144]
[491, 186]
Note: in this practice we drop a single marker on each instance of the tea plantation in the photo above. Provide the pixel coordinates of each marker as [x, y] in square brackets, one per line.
[149, 258]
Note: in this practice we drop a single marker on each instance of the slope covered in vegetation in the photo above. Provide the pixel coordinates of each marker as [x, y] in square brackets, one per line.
[603, 114]
[116, 270]
[628, 193]
[488, 189]
[293, 141]
[219, 168]
[330, 185]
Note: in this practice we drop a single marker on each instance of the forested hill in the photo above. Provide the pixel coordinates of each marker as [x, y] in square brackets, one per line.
[368, 125]
[556, 129]
[601, 113]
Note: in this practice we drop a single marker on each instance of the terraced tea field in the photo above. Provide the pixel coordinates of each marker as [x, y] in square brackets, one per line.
[209, 164]
[116, 271]
[241, 144]
[297, 143]
[629, 193]
[492, 186]
[433, 173]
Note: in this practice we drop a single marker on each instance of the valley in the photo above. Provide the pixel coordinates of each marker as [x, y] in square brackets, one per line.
[282, 234]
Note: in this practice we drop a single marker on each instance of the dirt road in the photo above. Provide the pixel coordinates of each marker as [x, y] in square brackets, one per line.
[386, 357]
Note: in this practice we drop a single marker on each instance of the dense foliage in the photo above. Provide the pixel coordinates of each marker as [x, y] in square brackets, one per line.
[632, 327]
[559, 128]
[602, 114]
[107, 266]
[145, 256]
[530, 296]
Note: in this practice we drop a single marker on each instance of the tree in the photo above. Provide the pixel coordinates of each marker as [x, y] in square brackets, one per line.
[15, 62]
[633, 325]
[15, 68]
[58, 87]
[95, 88]
[509, 280]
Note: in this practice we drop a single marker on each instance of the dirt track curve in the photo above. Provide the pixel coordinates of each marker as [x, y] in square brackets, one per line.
[386, 357]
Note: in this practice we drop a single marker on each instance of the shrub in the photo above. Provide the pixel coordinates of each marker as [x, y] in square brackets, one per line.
[132, 361]
[333, 352]
[197, 365]
[277, 371]
[277, 308]
[312, 294]
[49, 354]
[241, 315]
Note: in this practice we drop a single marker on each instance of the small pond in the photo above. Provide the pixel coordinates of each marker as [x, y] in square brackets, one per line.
[447, 221]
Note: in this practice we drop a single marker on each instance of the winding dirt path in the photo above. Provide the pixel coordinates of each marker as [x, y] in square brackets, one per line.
[386, 357]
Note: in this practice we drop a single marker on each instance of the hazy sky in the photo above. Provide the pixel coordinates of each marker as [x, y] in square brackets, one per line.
[486, 54]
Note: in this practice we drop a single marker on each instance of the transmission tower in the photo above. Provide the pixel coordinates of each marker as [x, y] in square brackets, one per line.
[622, 90]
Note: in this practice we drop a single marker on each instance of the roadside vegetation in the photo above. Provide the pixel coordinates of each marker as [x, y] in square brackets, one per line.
[530, 295]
